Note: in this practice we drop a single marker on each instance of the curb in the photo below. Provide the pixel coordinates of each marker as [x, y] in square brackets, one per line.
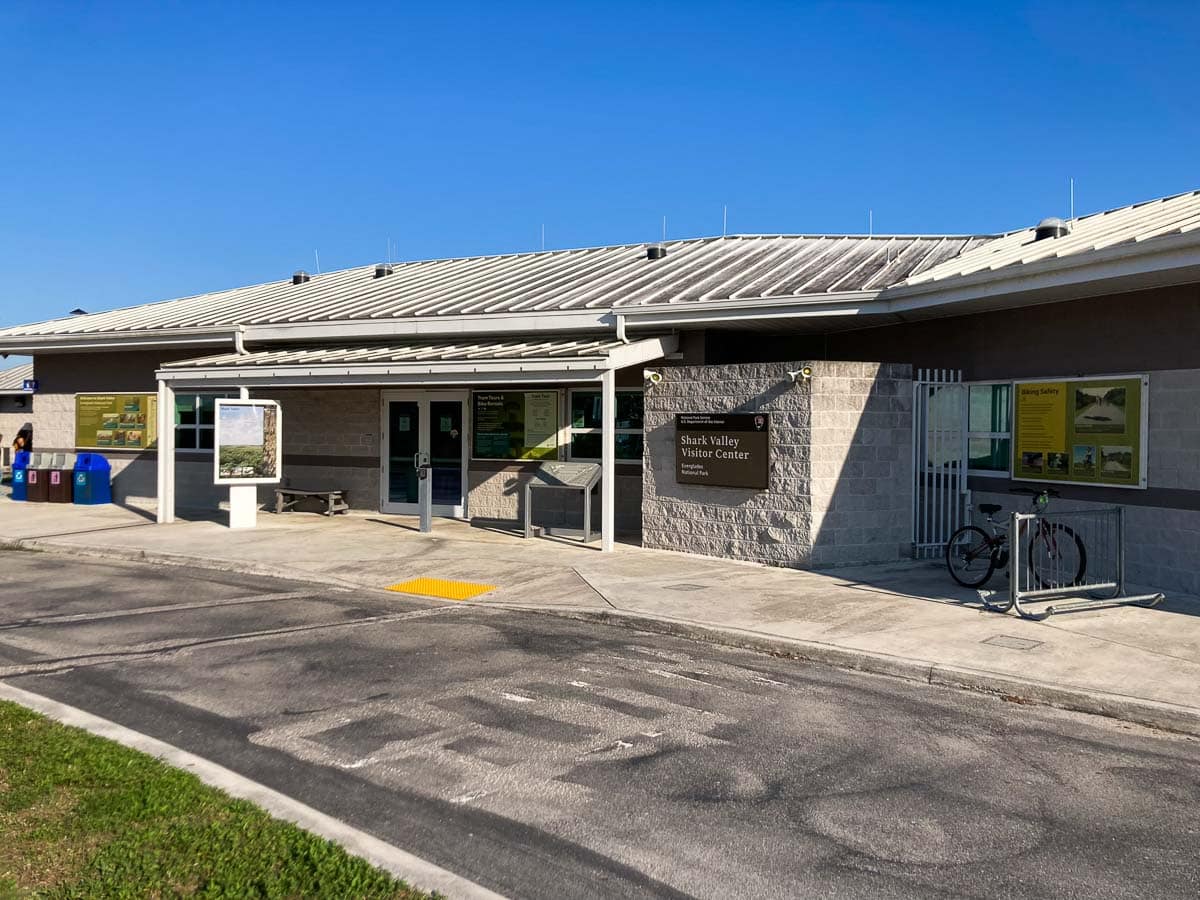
[412, 869]
[1149, 713]
[176, 559]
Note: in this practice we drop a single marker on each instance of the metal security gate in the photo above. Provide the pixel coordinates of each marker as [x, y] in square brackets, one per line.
[939, 459]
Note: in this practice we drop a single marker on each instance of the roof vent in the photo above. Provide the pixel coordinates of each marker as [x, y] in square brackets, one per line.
[383, 269]
[1054, 227]
[300, 276]
[78, 312]
[656, 252]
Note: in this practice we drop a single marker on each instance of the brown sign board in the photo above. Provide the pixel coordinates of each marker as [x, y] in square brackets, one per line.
[723, 449]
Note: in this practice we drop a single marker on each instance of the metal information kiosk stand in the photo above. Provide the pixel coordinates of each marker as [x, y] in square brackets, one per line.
[563, 476]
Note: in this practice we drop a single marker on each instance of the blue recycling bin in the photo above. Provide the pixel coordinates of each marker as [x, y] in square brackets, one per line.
[93, 476]
[20, 469]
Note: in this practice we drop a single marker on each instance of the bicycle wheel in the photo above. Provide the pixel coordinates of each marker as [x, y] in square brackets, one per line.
[1057, 558]
[969, 556]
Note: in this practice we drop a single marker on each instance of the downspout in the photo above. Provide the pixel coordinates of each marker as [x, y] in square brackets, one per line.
[621, 330]
[239, 341]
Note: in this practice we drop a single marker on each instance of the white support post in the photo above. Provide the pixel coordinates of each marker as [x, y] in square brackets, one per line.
[608, 454]
[243, 505]
[166, 453]
[243, 498]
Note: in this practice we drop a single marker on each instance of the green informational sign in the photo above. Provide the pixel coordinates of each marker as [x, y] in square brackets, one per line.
[514, 424]
[116, 421]
[1080, 431]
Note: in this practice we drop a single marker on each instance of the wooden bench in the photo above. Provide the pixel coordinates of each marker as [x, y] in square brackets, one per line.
[286, 498]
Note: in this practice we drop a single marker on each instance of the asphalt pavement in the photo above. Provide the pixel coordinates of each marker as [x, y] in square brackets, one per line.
[549, 758]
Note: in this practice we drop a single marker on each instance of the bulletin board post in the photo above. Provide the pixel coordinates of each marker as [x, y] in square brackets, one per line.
[248, 445]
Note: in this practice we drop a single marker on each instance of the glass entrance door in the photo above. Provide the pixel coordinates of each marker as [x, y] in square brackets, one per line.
[418, 426]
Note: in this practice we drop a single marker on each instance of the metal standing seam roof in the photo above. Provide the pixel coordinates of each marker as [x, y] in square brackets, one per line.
[12, 380]
[515, 351]
[1179, 214]
[620, 277]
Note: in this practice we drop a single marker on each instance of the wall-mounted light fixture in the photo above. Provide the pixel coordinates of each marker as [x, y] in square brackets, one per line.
[802, 374]
[652, 376]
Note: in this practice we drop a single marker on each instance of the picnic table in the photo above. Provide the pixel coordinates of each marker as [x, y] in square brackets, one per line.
[335, 501]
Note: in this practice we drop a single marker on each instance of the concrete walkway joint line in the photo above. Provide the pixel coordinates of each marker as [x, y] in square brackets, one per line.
[414, 870]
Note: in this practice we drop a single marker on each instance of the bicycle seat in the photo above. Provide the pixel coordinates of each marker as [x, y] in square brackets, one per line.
[989, 509]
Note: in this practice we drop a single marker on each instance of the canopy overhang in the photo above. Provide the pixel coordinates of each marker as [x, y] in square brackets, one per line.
[542, 360]
[484, 362]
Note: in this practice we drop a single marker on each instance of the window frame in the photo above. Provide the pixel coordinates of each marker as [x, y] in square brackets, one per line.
[987, 435]
[197, 427]
[571, 430]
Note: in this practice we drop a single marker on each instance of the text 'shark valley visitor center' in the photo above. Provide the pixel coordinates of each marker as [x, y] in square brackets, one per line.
[798, 400]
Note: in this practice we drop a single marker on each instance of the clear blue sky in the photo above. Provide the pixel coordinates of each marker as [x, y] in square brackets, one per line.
[155, 150]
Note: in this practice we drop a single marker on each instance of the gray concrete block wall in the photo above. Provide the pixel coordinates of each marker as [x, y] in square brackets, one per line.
[332, 422]
[331, 442]
[12, 420]
[839, 485]
[1173, 460]
[861, 447]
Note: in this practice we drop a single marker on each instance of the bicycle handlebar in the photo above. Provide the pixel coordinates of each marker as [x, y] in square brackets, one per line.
[1031, 491]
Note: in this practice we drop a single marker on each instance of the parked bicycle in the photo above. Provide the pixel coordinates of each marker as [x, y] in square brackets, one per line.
[1056, 555]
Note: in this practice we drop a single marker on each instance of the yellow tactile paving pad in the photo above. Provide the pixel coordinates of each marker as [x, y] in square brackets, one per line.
[440, 587]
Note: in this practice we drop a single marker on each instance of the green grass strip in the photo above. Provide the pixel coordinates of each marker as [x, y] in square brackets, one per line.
[81, 816]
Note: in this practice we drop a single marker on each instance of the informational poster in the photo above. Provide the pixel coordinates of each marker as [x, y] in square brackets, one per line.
[248, 442]
[541, 419]
[116, 421]
[1081, 431]
[514, 424]
[723, 450]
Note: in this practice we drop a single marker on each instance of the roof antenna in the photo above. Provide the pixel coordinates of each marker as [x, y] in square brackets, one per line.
[870, 223]
[543, 236]
[318, 257]
[1072, 201]
[389, 251]
[664, 237]
[725, 220]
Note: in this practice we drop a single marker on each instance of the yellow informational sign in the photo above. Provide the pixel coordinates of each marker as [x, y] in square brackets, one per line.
[116, 421]
[1081, 431]
[1042, 416]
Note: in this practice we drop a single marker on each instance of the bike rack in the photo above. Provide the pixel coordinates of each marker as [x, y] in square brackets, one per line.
[1102, 535]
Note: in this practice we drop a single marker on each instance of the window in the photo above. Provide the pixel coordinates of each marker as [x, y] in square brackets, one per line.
[515, 424]
[989, 428]
[585, 422]
[195, 417]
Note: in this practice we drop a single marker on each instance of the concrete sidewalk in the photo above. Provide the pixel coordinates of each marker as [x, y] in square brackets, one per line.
[908, 620]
